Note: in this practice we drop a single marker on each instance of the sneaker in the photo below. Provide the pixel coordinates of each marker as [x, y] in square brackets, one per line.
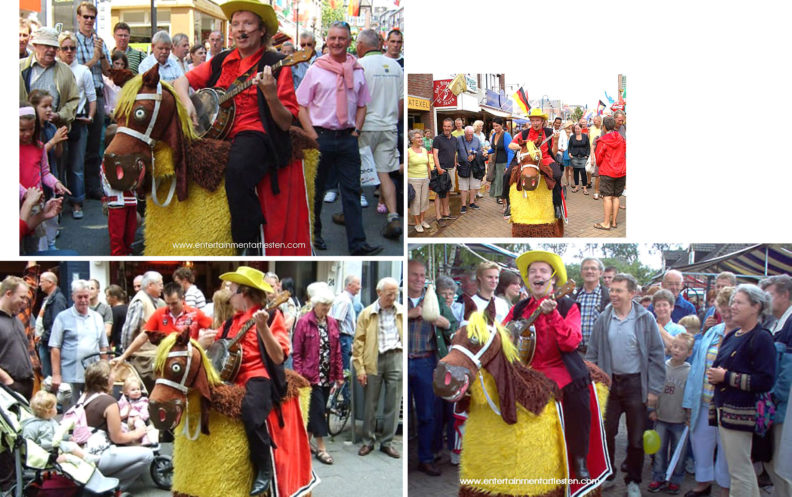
[77, 214]
[426, 225]
[363, 201]
[475, 206]
[507, 212]
[656, 486]
[463, 209]
[454, 459]
[479, 195]
[633, 490]
[672, 488]
[419, 228]
[330, 196]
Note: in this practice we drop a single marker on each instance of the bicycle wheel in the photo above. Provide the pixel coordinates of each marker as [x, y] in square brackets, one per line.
[161, 470]
[338, 411]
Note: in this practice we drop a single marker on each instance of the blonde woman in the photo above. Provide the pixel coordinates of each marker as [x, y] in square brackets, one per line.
[419, 169]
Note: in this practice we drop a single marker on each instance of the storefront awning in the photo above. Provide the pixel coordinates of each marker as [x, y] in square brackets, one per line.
[757, 260]
[496, 112]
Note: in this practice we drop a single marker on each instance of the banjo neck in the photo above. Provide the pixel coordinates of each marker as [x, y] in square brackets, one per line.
[247, 84]
[568, 288]
[282, 298]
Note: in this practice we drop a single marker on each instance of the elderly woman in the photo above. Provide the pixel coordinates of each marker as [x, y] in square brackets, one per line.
[419, 169]
[698, 395]
[743, 369]
[663, 304]
[317, 357]
[102, 413]
[499, 158]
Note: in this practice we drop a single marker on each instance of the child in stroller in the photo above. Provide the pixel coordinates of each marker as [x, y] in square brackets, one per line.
[133, 407]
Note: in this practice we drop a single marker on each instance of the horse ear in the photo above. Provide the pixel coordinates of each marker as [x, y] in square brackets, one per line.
[155, 337]
[151, 77]
[184, 337]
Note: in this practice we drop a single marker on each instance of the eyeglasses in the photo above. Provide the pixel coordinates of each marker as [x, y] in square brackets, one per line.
[88, 18]
[68, 49]
[306, 45]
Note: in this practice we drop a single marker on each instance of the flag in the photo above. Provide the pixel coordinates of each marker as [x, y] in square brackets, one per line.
[332, 4]
[600, 108]
[354, 8]
[522, 100]
[607, 97]
[458, 84]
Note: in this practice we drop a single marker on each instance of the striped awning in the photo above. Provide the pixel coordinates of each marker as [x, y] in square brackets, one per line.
[756, 260]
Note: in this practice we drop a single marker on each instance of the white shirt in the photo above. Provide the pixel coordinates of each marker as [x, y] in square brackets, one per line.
[84, 79]
[501, 308]
[563, 140]
[169, 71]
[782, 320]
[385, 80]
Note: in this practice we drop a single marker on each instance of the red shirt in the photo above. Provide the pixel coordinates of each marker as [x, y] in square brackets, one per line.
[252, 362]
[164, 322]
[533, 135]
[247, 110]
[554, 333]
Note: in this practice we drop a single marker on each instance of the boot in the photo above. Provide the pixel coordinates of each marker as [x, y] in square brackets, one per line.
[263, 478]
[580, 469]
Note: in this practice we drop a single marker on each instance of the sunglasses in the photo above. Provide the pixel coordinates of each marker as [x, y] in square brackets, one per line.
[68, 49]
[88, 18]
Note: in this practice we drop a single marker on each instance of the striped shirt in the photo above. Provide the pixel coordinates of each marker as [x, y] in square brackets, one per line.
[344, 312]
[420, 333]
[134, 58]
[193, 297]
[589, 310]
[387, 332]
[85, 51]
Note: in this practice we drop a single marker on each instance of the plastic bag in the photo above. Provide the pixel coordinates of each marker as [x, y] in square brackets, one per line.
[368, 169]
[431, 308]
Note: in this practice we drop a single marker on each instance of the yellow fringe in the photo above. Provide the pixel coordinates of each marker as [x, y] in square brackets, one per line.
[164, 349]
[126, 101]
[477, 328]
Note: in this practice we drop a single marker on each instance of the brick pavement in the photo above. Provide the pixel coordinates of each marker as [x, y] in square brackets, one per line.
[488, 222]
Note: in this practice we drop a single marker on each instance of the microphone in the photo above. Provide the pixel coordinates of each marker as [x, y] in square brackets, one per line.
[243, 36]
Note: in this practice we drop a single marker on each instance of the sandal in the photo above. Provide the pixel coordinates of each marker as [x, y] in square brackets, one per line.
[599, 226]
[574, 189]
[324, 457]
[596, 196]
[585, 192]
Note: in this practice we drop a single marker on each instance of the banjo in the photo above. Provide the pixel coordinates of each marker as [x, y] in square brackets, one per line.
[215, 106]
[226, 354]
[524, 330]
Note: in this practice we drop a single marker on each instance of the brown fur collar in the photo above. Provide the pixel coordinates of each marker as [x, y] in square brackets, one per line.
[518, 384]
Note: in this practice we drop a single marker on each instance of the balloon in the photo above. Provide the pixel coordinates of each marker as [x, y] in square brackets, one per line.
[651, 441]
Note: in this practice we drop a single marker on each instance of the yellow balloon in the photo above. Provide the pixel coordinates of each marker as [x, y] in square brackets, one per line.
[651, 441]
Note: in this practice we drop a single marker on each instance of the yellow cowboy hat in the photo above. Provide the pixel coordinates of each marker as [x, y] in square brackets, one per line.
[248, 276]
[528, 258]
[537, 112]
[264, 11]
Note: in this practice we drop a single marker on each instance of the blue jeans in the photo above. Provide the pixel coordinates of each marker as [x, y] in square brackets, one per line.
[346, 353]
[340, 155]
[44, 357]
[75, 162]
[670, 434]
[428, 407]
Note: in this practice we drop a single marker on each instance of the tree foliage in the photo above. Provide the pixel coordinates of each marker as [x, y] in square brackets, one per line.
[577, 114]
[331, 15]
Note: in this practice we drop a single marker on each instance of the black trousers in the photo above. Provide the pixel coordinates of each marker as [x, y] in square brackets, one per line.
[247, 165]
[577, 419]
[256, 406]
[625, 397]
[93, 159]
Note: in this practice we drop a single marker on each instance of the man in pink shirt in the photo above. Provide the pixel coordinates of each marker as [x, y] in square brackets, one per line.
[333, 96]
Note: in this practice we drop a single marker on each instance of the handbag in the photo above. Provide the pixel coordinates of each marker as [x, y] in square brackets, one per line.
[478, 169]
[410, 194]
[440, 183]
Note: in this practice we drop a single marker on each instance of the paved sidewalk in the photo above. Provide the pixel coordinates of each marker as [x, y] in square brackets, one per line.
[488, 222]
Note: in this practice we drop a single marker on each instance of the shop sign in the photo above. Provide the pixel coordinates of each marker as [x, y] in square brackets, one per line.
[443, 97]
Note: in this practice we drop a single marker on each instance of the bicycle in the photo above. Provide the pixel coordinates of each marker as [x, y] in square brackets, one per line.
[339, 406]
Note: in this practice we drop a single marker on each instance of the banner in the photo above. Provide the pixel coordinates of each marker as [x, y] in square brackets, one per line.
[522, 100]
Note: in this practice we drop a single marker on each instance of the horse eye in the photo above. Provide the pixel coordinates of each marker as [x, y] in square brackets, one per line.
[176, 368]
[139, 114]
[474, 340]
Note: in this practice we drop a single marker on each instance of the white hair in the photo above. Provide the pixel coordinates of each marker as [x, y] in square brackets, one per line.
[349, 279]
[161, 37]
[80, 285]
[385, 282]
[150, 277]
[468, 128]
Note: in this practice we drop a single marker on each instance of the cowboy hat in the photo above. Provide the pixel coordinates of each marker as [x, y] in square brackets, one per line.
[248, 276]
[46, 36]
[537, 112]
[528, 258]
[264, 11]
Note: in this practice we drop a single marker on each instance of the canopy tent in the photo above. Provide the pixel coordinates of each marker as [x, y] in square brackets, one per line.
[758, 261]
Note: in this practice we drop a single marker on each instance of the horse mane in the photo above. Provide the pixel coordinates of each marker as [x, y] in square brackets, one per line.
[477, 328]
[164, 349]
[130, 90]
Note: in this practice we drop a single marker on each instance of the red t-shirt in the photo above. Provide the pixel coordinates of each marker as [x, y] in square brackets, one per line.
[554, 333]
[252, 362]
[533, 135]
[247, 110]
[164, 322]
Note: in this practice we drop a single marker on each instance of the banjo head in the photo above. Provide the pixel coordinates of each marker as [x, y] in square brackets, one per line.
[207, 107]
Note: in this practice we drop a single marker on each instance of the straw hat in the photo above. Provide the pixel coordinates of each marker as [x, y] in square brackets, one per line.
[554, 260]
[264, 11]
[537, 112]
[248, 276]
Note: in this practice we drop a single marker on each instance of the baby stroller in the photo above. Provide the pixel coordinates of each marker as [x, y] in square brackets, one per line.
[161, 469]
[38, 474]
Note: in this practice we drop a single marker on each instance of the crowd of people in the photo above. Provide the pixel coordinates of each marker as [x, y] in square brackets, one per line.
[69, 85]
[589, 154]
[707, 367]
[71, 352]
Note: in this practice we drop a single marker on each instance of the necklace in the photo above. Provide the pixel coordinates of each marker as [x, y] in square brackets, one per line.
[740, 333]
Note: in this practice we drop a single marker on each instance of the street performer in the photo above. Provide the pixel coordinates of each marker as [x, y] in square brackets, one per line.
[533, 212]
[557, 337]
[260, 152]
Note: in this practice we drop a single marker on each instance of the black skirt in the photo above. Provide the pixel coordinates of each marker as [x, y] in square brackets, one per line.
[317, 422]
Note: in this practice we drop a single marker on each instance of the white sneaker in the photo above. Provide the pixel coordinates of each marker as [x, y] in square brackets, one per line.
[419, 228]
[633, 490]
[363, 201]
[454, 458]
[330, 196]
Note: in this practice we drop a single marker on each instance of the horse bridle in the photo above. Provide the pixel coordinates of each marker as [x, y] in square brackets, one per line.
[182, 387]
[148, 140]
[476, 358]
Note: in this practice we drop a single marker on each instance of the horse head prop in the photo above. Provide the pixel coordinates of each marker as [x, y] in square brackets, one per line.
[181, 366]
[146, 133]
[529, 158]
[481, 346]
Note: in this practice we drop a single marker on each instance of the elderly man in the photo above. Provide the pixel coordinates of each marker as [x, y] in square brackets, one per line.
[140, 309]
[377, 355]
[307, 42]
[41, 71]
[54, 304]
[592, 297]
[626, 344]
[137, 282]
[468, 151]
[385, 80]
[337, 119]
[262, 182]
[673, 282]
[394, 42]
[712, 316]
[99, 307]
[193, 296]
[343, 311]
[76, 333]
[134, 57]
[287, 48]
[215, 44]
[179, 51]
[92, 53]
[621, 123]
[169, 68]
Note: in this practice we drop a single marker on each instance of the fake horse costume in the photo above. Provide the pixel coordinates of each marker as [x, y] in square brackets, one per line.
[531, 185]
[158, 152]
[513, 412]
[210, 451]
